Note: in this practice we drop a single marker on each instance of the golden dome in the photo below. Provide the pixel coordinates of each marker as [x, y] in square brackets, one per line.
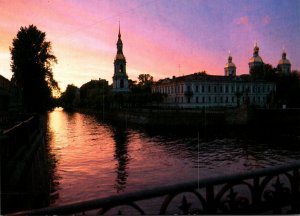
[120, 56]
[229, 64]
[255, 59]
[284, 60]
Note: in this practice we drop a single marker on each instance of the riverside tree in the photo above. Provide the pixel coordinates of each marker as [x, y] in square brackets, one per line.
[70, 98]
[31, 64]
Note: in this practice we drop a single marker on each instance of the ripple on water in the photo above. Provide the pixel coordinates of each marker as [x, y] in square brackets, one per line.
[96, 160]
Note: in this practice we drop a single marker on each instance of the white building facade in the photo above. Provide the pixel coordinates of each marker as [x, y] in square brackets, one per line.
[201, 90]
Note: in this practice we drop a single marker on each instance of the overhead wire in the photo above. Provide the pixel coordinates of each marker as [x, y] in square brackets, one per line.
[107, 18]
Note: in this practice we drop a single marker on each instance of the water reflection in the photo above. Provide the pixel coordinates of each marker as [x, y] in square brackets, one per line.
[95, 159]
[120, 135]
[52, 162]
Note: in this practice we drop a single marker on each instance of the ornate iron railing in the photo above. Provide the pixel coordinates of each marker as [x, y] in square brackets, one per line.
[269, 190]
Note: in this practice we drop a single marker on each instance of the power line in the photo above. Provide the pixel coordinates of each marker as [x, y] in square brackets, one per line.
[107, 18]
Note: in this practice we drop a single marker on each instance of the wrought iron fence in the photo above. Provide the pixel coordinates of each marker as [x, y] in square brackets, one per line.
[269, 190]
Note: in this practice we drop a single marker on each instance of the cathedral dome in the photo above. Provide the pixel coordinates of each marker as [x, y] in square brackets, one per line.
[284, 60]
[230, 69]
[255, 58]
[229, 63]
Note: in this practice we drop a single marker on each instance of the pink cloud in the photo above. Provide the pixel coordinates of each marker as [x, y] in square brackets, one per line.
[244, 20]
[266, 20]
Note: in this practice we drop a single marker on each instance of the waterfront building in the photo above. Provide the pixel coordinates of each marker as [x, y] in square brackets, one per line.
[284, 65]
[202, 90]
[120, 78]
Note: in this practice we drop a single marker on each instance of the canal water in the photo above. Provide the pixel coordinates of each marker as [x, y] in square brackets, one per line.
[92, 159]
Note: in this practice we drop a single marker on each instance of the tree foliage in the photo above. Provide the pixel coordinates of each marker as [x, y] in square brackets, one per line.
[287, 85]
[69, 98]
[263, 72]
[141, 95]
[94, 94]
[145, 82]
[31, 64]
[145, 79]
[288, 89]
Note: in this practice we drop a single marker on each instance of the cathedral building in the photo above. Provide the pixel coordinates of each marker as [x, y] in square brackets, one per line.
[284, 65]
[201, 90]
[255, 61]
[120, 78]
[230, 68]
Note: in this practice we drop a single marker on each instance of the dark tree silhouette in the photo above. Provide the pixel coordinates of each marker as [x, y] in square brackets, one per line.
[264, 72]
[68, 97]
[94, 94]
[31, 64]
[145, 78]
[141, 95]
[288, 89]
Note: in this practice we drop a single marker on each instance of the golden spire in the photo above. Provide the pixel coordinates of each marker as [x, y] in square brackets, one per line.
[256, 49]
[229, 57]
[119, 35]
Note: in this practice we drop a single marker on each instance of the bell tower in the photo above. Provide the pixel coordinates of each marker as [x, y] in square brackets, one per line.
[120, 78]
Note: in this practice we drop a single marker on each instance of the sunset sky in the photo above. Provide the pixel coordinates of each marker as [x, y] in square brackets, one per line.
[157, 35]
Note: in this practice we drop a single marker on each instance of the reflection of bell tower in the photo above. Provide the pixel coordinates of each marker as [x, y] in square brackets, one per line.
[120, 78]
[122, 157]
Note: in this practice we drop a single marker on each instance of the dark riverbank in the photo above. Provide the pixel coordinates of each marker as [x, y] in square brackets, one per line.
[203, 117]
[277, 124]
[25, 166]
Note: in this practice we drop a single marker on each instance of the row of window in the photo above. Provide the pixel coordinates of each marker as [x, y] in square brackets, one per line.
[221, 99]
[215, 89]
